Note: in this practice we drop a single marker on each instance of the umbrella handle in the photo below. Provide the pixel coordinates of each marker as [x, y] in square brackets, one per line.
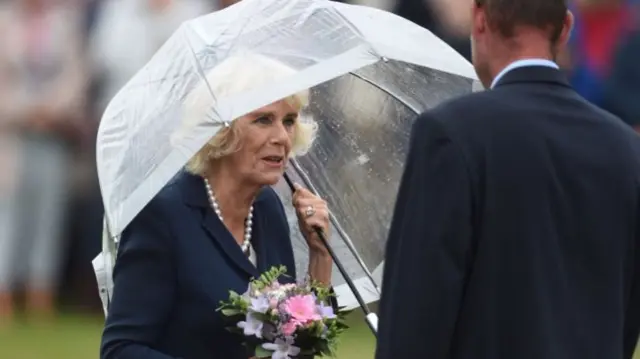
[370, 317]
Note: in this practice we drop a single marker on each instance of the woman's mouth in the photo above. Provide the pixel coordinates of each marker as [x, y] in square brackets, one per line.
[274, 161]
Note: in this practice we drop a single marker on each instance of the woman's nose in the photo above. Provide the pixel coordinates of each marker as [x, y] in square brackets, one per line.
[281, 134]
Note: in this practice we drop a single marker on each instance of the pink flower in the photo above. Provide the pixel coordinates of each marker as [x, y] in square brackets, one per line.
[290, 327]
[302, 308]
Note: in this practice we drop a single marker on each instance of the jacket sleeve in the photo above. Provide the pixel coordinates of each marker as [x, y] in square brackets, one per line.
[144, 289]
[429, 250]
[632, 304]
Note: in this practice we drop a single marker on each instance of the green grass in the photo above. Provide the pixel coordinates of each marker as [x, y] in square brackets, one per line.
[73, 337]
[70, 337]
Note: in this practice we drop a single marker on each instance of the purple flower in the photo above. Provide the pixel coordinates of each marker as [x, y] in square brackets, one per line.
[326, 311]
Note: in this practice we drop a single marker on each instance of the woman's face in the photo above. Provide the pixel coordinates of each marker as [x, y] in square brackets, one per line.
[266, 136]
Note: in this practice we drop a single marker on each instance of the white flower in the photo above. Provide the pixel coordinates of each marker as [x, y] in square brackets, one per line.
[281, 292]
[282, 349]
[278, 294]
[247, 294]
[252, 326]
[260, 304]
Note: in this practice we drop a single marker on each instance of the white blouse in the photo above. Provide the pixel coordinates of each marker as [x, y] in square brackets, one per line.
[252, 256]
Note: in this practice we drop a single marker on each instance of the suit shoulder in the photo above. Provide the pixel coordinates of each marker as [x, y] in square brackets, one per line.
[465, 105]
[164, 204]
[462, 114]
[151, 228]
[615, 120]
[457, 113]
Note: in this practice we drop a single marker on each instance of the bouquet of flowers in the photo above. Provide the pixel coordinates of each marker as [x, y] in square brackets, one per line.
[283, 321]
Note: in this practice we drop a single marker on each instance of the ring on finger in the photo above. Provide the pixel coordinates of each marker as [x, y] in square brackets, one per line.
[310, 211]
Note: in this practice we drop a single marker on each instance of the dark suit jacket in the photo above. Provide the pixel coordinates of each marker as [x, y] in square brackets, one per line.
[176, 262]
[622, 88]
[515, 234]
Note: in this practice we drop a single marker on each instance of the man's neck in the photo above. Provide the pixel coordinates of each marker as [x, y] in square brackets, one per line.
[523, 48]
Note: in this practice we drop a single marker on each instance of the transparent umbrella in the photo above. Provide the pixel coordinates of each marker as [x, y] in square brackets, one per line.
[356, 163]
[369, 73]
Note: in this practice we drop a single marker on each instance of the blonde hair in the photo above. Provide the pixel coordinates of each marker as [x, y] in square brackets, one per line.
[235, 75]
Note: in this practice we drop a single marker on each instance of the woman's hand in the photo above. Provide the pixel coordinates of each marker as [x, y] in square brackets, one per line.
[312, 212]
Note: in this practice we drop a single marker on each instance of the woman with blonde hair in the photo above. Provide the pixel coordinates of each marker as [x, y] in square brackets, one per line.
[214, 227]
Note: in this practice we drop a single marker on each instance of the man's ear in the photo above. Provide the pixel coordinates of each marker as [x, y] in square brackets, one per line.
[567, 29]
[478, 19]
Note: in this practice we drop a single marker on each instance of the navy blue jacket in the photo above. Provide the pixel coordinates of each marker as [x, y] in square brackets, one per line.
[516, 232]
[176, 262]
[622, 88]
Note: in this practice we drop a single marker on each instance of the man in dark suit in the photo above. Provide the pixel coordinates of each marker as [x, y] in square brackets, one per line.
[516, 228]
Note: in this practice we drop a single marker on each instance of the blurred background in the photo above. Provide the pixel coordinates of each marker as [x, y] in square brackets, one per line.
[61, 61]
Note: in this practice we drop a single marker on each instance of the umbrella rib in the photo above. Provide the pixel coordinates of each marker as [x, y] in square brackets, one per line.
[350, 25]
[345, 237]
[202, 74]
[388, 92]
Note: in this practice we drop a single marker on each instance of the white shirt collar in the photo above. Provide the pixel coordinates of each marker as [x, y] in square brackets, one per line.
[524, 63]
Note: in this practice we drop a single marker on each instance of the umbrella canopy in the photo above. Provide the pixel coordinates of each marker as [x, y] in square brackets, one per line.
[357, 160]
[369, 72]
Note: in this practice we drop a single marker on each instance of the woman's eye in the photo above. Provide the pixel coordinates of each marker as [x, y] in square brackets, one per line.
[264, 120]
[289, 122]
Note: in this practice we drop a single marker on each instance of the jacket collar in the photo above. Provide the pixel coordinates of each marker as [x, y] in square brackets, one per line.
[523, 63]
[534, 74]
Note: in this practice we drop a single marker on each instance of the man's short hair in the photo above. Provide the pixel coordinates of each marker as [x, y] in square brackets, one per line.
[506, 16]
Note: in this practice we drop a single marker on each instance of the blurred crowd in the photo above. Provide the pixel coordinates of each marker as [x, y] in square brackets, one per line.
[61, 61]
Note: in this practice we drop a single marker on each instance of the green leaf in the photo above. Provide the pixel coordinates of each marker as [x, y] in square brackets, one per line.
[268, 277]
[262, 352]
[231, 312]
[261, 317]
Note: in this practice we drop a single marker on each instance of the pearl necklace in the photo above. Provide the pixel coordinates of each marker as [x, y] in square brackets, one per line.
[248, 223]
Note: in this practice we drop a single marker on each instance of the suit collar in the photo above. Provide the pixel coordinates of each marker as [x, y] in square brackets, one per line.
[195, 195]
[534, 74]
[523, 63]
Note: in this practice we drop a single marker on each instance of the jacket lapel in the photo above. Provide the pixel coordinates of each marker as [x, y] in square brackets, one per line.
[258, 244]
[195, 195]
[223, 238]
